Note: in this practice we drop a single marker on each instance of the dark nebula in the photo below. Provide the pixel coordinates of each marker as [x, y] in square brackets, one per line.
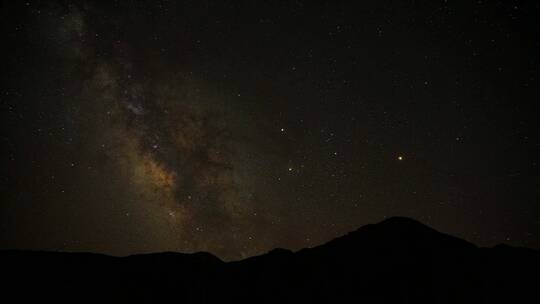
[233, 128]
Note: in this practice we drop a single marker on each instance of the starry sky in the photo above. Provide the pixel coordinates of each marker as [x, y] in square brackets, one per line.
[237, 127]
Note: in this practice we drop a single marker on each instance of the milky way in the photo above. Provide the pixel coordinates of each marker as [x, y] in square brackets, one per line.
[172, 161]
[176, 149]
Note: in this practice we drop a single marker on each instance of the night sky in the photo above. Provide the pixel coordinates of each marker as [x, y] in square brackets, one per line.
[236, 128]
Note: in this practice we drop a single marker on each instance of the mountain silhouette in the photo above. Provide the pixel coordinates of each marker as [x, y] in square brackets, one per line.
[398, 260]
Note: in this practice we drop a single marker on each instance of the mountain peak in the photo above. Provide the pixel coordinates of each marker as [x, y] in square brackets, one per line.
[399, 233]
[401, 220]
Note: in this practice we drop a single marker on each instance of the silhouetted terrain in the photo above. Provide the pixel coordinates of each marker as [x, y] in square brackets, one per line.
[396, 261]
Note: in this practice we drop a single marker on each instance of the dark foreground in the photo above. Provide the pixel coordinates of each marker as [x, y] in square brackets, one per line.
[396, 261]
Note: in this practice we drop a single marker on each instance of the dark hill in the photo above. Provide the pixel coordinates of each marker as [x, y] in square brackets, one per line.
[396, 261]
